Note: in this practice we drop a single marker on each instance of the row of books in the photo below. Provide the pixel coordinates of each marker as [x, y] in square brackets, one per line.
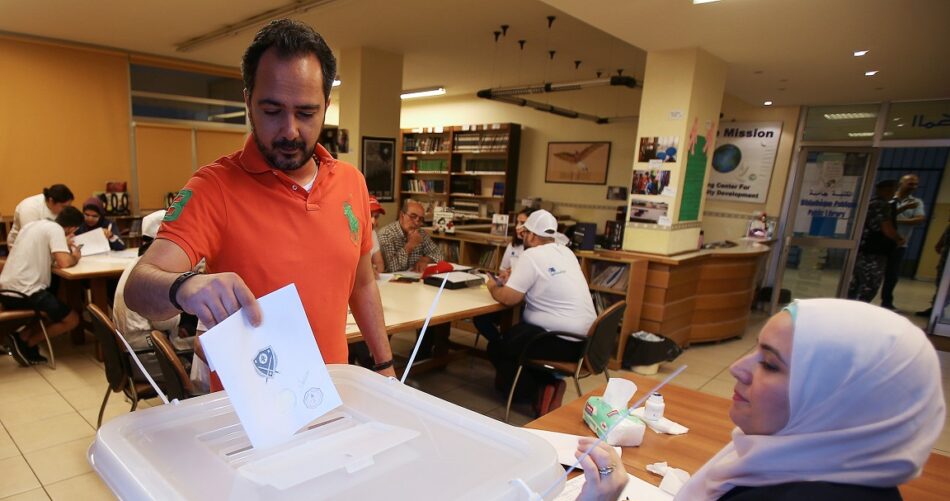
[424, 185]
[484, 165]
[613, 276]
[603, 301]
[480, 142]
[426, 144]
[427, 164]
[450, 251]
[487, 259]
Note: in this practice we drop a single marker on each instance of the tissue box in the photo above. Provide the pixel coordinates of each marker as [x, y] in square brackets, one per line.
[600, 416]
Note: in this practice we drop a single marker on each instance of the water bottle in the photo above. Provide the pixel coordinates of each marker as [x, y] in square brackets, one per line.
[654, 408]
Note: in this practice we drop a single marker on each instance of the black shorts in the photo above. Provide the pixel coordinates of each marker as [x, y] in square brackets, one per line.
[43, 301]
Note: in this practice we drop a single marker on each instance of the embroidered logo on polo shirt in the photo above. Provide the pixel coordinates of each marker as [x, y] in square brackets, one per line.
[352, 221]
[265, 363]
[554, 271]
[178, 205]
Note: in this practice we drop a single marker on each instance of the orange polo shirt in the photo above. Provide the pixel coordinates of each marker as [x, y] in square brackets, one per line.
[245, 217]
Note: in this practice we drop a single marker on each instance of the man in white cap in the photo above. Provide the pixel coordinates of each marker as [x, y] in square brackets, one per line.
[137, 328]
[550, 282]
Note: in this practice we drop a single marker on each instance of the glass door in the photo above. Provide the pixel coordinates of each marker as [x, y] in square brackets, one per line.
[940, 315]
[824, 223]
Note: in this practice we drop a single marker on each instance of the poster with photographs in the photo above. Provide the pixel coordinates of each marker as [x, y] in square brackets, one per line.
[743, 161]
[649, 181]
[647, 211]
[663, 149]
[378, 164]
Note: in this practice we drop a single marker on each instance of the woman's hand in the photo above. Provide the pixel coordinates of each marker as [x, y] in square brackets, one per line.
[604, 474]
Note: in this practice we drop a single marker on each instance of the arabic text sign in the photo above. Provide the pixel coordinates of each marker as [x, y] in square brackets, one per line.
[743, 161]
[918, 120]
[828, 198]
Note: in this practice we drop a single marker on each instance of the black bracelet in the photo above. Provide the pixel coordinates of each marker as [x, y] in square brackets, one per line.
[384, 365]
[173, 290]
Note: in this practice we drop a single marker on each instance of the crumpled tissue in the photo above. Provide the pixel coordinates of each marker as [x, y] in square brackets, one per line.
[673, 478]
[662, 425]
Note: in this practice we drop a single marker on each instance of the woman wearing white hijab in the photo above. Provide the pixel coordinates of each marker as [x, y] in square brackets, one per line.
[841, 400]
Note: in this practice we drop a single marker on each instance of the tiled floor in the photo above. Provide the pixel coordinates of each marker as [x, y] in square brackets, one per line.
[48, 418]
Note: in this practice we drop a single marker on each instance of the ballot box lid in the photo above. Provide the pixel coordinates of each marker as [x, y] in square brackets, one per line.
[387, 441]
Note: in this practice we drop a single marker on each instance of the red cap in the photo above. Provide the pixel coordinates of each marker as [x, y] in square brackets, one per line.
[374, 206]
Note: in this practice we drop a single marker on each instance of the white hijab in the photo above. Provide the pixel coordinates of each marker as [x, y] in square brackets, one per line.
[865, 406]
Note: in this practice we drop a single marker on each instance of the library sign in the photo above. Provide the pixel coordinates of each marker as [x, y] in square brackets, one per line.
[743, 161]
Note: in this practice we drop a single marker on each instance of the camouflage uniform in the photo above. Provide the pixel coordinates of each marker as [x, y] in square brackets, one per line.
[869, 267]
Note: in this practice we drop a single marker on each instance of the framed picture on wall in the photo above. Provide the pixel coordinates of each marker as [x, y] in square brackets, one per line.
[378, 163]
[577, 162]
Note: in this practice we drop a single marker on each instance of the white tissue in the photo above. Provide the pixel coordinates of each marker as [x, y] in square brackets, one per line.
[662, 425]
[673, 478]
[619, 392]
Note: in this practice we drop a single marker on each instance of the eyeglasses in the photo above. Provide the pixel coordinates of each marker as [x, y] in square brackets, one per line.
[416, 218]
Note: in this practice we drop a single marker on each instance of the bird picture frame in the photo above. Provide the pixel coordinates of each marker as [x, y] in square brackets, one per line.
[577, 162]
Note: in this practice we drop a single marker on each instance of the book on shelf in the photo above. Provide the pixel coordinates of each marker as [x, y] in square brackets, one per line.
[487, 258]
[442, 220]
[450, 251]
[424, 186]
[612, 276]
[499, 225]
[498, 189]
[603, 301]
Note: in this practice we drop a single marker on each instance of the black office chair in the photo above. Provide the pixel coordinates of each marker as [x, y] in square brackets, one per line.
[14, 319]
[177, 382]
[118, 365]
[599, 344]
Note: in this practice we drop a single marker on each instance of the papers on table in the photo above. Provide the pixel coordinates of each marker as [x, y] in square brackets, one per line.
[635, 489]
[92, 242]
[564, 444]
[274, 374]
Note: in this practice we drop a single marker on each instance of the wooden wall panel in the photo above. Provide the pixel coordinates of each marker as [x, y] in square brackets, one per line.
[163, 160]
[213, 144]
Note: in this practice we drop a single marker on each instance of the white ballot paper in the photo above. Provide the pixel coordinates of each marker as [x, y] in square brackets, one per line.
[92, 242]
[274, 374]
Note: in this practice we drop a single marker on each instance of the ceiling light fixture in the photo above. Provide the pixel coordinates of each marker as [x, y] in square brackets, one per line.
[859, 53]
[768, 103]
[870, 73]
[860, 134]
[427, 92]
[849, 116]
[697, 2]
[231, 30]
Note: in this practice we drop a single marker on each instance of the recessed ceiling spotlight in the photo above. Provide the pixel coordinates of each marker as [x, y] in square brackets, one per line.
[768, 103]
[859, 53]
[870, 73]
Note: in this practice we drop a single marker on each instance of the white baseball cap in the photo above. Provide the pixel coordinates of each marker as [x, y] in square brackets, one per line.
[151, 222]
[543, 223]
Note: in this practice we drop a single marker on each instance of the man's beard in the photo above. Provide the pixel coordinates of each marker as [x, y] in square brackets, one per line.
[275, 159]
[516, 240]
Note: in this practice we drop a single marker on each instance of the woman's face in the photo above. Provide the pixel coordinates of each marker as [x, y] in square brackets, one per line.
[760, 400]
[91, 217]
[519, 225]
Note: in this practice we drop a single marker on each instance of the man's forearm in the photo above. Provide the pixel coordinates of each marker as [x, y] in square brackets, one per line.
[368, 312]
[146, 292]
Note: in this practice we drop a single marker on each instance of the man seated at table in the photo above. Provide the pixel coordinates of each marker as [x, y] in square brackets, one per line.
[405, 246]
[28, 270]
[137, 328]
[487, 324]
[550, 281]
[376, 255]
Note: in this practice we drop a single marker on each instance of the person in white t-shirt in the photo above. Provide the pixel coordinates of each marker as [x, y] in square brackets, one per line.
[26, 276]
[488, 323]
[46, 205]
[376, 210]
[137, 328]
[550, 282]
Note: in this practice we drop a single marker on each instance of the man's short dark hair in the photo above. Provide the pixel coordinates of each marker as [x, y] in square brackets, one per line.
[70, 217]
[59, 193]
[886, 183]
[288, 38]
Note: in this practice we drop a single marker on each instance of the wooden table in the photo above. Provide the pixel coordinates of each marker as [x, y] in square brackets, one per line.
[98, 270]
[710, 428]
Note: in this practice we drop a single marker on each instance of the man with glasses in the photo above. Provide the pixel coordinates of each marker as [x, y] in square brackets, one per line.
[405, 246]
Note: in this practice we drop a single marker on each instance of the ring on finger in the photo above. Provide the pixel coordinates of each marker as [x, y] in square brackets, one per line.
[606, 471]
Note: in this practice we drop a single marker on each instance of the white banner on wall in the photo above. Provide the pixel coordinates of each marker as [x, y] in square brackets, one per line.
[743, 161]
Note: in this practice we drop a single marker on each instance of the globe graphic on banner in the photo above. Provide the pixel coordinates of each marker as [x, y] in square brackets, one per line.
[726, 158]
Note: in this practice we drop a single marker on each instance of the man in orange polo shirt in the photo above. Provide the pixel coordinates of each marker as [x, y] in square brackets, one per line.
[280, 210]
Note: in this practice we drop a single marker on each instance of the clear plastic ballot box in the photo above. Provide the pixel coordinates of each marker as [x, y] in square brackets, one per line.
[387, 441]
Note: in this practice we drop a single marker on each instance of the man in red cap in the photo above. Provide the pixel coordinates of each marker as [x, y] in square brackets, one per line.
[376, 210]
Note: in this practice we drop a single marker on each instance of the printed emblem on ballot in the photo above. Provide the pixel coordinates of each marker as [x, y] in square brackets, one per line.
[265, 363]
[354, 224]
[178, 205]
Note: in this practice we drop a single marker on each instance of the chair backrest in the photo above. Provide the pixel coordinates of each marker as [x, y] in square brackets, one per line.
[177, 382]
[113, 353]
[602, 337]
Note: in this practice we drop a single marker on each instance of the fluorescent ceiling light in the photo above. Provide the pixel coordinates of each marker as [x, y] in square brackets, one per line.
[697, 2]
[870, 73]
[768, 103]
[859, 53]
[337, 82]
[427, 92]
[860, 134]
[849, 116]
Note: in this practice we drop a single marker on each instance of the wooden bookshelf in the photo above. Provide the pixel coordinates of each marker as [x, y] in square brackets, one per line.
[472, 169]
[472, 248]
